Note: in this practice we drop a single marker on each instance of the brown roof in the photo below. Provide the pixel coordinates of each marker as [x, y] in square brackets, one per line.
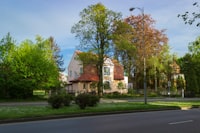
[118, 71]
[90, 73]
[86, 77]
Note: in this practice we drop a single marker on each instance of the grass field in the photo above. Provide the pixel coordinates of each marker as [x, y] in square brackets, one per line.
[16, 112]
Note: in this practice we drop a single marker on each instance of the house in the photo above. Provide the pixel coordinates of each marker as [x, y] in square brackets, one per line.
[84, 79]
[176, 73]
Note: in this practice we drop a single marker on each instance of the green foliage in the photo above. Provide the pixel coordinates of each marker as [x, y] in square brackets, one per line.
[120, 85]
[190, 67]
[180, 83]
[131, 91]
[58, 100]
[84, 100]
[194, 47]
[56, 54]
[7, 45]
[88, 58]
[55, 101]
[27, 66]
[94, 31]
[125, 50]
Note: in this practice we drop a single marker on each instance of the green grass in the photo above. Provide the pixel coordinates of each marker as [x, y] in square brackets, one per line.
[179, 104]
[16, 112]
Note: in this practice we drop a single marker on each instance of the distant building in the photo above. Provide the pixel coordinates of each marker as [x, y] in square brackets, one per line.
[176, 73]
[84, 79]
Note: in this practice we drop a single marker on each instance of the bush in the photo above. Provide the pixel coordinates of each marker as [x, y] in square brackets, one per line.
[84, 100]
[93, 100]
[67, 99]
[57, 101]
[131, 91]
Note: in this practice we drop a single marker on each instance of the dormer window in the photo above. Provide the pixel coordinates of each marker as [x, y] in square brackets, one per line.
[106, 70]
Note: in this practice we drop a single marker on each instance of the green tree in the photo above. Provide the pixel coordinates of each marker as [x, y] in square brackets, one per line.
[136, 39]
[180, 83]
[125, 50]
[28, 66]
[7, 45]
[190, 66]
[194, 47]
[33, 68]
[87, 58]
[95, 33]
[56, 54]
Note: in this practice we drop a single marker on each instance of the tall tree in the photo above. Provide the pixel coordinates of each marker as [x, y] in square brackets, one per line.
[56, 54]
[7, 45]
[190, 18]
[144, 36]
[190, 66]
[94, 31]
[32, 68]
[125, 50]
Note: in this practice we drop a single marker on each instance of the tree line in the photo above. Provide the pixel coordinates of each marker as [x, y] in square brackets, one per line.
[128, 40]
[28, 66]
[36, 64]
[132, 39]
[190, 67]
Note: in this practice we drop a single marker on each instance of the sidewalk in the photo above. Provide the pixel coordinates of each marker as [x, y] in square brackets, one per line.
[167, 99]
[42, 103]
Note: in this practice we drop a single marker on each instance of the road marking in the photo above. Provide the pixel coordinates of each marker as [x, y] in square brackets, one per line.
[180, 122]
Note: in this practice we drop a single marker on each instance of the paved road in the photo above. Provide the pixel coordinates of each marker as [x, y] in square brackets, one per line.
[175, 121]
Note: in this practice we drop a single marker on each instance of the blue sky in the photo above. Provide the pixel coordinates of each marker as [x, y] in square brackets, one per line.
[25, 19]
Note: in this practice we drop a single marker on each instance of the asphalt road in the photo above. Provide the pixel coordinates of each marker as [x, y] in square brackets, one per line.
[175, 121]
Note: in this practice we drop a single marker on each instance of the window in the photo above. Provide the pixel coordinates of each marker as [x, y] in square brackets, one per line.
[106, 71]
[106, 85]
[84, 86]
[75, 75]
[81, 70]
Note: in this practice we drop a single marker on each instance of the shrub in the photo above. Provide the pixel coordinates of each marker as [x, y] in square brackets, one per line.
[84, 100]
[131, 91]
[55, 101]
[93, 100]
[67, 99]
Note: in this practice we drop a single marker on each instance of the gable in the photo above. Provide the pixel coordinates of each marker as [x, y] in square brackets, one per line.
[89, 72]
[75, 67]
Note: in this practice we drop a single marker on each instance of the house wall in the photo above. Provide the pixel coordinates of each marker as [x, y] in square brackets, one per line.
[74, 68]
[108, 77]
[78, 87]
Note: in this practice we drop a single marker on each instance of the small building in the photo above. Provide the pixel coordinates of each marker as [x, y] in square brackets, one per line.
[85, 78]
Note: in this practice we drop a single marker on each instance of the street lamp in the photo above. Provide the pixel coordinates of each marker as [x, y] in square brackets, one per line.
[144, 51]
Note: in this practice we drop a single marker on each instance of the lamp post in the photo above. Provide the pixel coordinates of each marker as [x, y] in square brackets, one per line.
[144, 51]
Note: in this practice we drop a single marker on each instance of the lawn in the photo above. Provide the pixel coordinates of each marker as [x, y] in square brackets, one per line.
[16, 112]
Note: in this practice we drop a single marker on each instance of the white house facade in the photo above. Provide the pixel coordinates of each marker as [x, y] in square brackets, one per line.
[84, 79]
